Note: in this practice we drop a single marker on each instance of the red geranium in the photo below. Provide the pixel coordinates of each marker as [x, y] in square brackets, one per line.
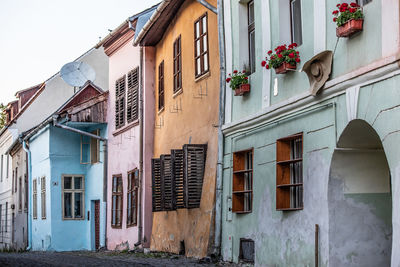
[283, 53]
[347, 12]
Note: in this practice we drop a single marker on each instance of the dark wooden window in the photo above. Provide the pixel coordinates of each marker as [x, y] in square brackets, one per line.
[242, 191]
[161, 86]
[6, 219]
[201, 58]
[289, 173]
[34, 199]
[43, 196]
[246, 250]
[295, 22]
[133, 179]
[177, 64]
[120, 102]
[167, 183]
[116, 206]
[15, 180]
[95, 148]
[156, 185]
[8, 165]
[26, 194]
[20, 195]
[178, 174]
[132, 105]
[251, 36]
[2, 171]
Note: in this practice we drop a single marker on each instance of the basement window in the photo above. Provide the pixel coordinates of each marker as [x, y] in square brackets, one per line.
[242, 191]
[246, 250]
[289, 173]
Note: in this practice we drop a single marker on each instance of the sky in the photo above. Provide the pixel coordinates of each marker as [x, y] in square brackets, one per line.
[37, 37]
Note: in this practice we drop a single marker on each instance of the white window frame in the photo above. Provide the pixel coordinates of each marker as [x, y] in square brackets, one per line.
[73, 191]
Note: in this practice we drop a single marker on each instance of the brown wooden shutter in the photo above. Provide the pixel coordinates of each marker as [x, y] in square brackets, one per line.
[194, 164]
[167, 183]
[133, 95]
[177, 174]
[156, 185]
[120, 102]
[161, 86]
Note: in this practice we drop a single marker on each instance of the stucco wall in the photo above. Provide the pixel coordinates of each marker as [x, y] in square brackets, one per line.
[193, 121]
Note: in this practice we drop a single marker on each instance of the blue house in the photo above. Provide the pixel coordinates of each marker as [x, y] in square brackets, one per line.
[68, 161]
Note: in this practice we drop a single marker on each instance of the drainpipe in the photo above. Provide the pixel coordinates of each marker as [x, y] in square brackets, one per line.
[219, 182]
[105, 147]
[140, 224]
[28, 152]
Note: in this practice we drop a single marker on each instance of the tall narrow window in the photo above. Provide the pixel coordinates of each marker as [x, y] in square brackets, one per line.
[132, 112]
[120, 102]
[133, 177]
[289, 173]
[242, 191]
[201, 45]
[34, 194]
[73, 197]
[161, 86]
[95, 148]
[251, 36]
[6, 219]
[2, 171]
[116, 205]
[177, 65]
[15, 182]
[8, 164]
[295, 21]
[20, 195]
[1, 221]
[85, 149]
[26, 194]
[43, 196]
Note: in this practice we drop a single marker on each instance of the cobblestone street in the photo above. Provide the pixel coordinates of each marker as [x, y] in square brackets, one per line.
[98, 259]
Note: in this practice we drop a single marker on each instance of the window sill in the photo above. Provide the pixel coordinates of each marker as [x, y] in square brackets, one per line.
[73, 219]
[180, 91]
[116, 227]
[203, 76]
[126, 127]
[160, 111]
[130, 225]
[289, 209]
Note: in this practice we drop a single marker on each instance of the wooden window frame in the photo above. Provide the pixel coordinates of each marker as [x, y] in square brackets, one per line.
[15, 180]
[250, 31]
[118, 195]
[2, 170]
[132, 194]
[6, 220]
[95, 153]
[1, 221]
[132, 99]
[72, 191]
[8, 165]
[292, 33]
[203, 54]
[239, 192]
[177, 68]
[34, 199]
[83, 142]
[120, 106]
[26, 193]
[20, 195]
[161, 88]
[43, 197]
[284, 161]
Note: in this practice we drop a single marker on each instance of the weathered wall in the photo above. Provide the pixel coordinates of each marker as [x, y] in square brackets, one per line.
[194, 122]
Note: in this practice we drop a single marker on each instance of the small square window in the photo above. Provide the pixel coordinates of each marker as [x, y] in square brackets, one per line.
[246, 252]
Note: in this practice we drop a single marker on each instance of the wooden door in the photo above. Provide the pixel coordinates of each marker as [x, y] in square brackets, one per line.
[97, 223]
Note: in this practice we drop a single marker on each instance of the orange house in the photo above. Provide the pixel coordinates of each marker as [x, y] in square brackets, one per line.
[185, 37]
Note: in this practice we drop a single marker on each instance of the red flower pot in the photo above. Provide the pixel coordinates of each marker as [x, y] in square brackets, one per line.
[284, 68]
[350, 27]
[243, 88]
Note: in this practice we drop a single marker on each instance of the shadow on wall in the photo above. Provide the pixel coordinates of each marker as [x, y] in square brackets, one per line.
[360, 200]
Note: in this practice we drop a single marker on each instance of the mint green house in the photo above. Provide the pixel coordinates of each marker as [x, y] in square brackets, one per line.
[312, 179]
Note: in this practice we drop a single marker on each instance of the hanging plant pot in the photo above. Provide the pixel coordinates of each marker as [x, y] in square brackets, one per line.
[284, 68]
[349, 28]
[243, 88]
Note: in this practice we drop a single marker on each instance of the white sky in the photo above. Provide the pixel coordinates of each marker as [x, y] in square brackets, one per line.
[37, 37]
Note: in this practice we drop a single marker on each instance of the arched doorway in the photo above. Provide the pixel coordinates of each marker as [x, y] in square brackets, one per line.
[360, 200]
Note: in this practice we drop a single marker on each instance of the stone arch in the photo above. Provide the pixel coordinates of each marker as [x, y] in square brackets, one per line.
[359, 199]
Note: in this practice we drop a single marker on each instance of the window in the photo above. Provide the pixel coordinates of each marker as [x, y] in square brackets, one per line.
[251, 36]
[242, 191]
[34, 198]
[116, 213]
[43, 196]
[120, 102]
[8, 164]
[2, 171]
[15, 182]
[177, 64]
[295, 21]
[289, 173]
[1, 220]
[177, 178]
[363, 2]
[12, 182]
[132, 113]
[6, 219]
[90, 148]
[73, 197]
[20, 195]
[26, 194]
[201, 46]
[161, 86]
[133, 179]
[246, 250]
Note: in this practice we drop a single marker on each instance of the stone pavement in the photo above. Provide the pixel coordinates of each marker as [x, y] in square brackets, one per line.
[104, 258]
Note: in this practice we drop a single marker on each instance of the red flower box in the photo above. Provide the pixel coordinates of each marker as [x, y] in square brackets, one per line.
[243, 88]
[284, 68]
[349, 28]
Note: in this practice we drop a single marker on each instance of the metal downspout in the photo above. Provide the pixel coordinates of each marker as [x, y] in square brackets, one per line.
[140, 223]
[219, 181]
[25, 147]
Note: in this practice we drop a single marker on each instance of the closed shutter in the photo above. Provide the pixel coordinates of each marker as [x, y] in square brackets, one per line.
[194, 164]
[167, 183]
[177, 173]
[133, 96]
[120, 102]
[156, 185]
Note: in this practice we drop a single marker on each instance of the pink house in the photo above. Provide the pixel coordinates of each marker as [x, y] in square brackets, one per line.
[130, 136]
